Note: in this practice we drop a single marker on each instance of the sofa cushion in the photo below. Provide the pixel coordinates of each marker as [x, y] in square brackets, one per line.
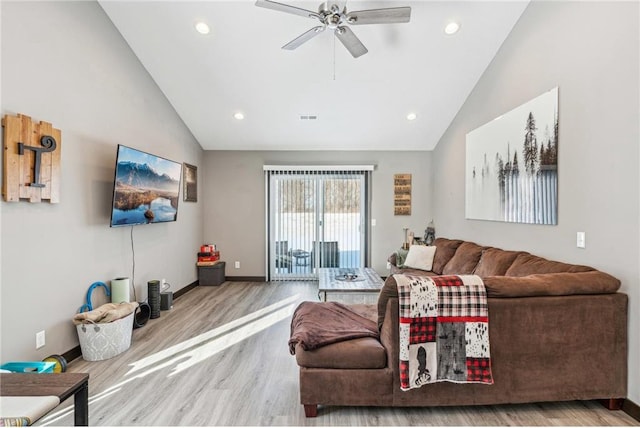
[551, 284]
[362, 353]
[527, 264]
[420, 257]
[495, 261]
[445, 249]
[464, 261]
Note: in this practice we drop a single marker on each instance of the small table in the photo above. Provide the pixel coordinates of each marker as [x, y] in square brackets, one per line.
[365, 288]
[63, 385]
[301, 255]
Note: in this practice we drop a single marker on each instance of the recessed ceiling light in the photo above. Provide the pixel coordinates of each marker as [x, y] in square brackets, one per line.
[202, 28]
[239, 115]
[411, 116]
[451, 28]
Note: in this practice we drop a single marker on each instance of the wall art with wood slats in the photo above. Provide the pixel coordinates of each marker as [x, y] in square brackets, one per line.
[31, 169]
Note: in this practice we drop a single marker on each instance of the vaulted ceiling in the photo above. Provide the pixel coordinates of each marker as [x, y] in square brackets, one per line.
[359, 103]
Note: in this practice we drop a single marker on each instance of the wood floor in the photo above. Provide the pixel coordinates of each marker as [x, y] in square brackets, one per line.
[220, 357]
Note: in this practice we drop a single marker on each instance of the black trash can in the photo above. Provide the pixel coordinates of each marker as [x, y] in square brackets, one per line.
[211, 275]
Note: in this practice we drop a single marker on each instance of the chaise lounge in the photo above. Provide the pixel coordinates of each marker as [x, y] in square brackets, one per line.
[558, 332]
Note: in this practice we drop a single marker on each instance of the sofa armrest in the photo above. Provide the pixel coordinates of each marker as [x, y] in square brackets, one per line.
[389, 337]
[389, 291]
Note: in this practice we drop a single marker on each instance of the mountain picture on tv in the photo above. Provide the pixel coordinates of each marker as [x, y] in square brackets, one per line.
[146, 188]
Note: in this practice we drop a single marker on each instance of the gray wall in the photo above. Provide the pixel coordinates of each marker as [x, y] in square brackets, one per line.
[234, 194]
[65, 63]
[590, 51]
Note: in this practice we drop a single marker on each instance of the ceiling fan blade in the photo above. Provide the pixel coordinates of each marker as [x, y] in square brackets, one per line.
[390, 15]
[350, 41]
[304, 37]
[268, 4]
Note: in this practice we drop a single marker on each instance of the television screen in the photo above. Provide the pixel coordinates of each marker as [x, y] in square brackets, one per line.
[145, 188]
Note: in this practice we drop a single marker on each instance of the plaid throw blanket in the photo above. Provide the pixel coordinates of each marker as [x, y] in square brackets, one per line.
[444, 330]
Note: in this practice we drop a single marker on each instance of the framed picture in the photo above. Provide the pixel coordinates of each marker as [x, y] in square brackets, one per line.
[190, 180]
[402, 194]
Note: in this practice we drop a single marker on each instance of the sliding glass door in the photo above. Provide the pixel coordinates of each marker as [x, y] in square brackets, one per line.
[316, 218]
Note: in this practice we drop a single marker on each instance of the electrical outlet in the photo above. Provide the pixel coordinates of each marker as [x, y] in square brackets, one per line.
[580, 240]
[237, 265]
[40, 339]
[373, 222]
[388, 265]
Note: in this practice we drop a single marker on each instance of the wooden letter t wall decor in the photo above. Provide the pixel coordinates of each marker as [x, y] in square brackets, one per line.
[31, 167]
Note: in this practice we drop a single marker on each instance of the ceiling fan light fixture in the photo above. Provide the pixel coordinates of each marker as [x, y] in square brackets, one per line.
[202, 27]
[411, 116]
[334, 16]
[451, 28]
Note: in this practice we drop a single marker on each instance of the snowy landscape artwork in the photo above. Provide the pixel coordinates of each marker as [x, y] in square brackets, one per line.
[512, 165]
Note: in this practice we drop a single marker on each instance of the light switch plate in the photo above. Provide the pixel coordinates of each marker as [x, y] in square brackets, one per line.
[40, 339]
[580, 240]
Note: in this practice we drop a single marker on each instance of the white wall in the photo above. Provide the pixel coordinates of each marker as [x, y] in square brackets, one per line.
[590, 50]
[65, 63]
[234, 194]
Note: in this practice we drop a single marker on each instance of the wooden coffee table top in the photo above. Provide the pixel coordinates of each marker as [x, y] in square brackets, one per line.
[367, 280]
[62, 385]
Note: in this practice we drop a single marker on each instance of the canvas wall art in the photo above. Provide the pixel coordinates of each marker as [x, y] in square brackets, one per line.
[512, 165]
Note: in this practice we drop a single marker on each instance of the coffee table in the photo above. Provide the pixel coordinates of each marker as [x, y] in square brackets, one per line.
[335, 285]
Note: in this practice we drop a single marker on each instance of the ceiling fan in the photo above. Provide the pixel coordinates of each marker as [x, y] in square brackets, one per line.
[333, 17]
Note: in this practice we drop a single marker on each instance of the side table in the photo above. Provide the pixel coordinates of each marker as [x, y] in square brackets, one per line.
[301, 256]
[212, 274]
[63, 385]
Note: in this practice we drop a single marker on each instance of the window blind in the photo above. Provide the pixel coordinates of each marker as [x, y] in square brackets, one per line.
[317, 217]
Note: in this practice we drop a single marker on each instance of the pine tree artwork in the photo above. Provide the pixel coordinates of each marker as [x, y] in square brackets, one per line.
[522, 183]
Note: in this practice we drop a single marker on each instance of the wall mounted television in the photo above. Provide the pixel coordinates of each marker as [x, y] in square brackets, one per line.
[145, 188]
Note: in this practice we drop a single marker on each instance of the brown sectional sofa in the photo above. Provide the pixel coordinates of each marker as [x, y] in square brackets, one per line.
[558, 332]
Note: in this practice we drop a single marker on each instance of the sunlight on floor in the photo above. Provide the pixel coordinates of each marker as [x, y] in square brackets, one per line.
[193, 351]
[211, 334]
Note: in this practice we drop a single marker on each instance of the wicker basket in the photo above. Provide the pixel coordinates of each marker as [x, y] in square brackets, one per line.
[104, 341]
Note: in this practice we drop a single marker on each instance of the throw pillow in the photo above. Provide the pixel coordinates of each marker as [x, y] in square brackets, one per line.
[401, 256]
[464, 261]
[495, 261]
[446, 248]
[420, 257]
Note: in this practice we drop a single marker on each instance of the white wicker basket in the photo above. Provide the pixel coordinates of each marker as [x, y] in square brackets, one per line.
[104, 341]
